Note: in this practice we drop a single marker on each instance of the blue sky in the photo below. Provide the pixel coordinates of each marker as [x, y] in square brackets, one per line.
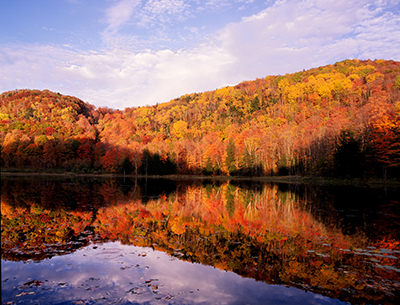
[127, 53]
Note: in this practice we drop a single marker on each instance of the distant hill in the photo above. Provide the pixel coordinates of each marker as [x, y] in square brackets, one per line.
[340, 120]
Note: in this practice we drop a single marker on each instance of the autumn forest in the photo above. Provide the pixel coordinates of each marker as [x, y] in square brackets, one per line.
[340, 120]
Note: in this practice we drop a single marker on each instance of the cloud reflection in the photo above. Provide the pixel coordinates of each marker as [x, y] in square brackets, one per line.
[112, 272]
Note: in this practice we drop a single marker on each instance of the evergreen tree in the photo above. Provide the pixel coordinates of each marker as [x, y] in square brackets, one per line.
[230, 158]
[348, 156]
[152, 164]
[126, 166]
[208, 170]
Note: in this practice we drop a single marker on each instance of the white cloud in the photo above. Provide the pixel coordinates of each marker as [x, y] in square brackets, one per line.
[152, 77]
[115, 78]
[292, 35]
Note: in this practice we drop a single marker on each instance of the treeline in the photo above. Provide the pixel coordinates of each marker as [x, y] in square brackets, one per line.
[340, 120]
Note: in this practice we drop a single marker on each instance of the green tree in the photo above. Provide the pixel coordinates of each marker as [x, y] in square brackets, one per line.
[208, 169]
[230, 158]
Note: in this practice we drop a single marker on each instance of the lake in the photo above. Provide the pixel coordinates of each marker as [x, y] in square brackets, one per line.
[160, 241]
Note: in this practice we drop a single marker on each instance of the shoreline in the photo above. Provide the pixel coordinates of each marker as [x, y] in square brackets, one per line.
[273, 179]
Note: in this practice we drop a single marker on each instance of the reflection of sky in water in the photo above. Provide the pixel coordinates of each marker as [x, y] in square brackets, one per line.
[121, 274]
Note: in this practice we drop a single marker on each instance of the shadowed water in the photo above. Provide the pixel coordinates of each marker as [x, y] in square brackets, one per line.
[157, 241]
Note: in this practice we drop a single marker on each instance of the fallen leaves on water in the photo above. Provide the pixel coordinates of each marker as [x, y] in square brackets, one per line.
[33, 283]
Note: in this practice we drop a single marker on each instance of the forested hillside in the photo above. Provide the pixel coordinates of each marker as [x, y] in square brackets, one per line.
[340, 120]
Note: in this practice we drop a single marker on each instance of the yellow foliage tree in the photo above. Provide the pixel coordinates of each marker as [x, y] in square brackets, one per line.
[179, 129]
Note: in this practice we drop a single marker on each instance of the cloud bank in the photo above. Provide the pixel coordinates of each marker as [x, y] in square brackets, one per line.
[286, 37]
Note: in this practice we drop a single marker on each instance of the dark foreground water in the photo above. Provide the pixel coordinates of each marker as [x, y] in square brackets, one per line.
[159, 241]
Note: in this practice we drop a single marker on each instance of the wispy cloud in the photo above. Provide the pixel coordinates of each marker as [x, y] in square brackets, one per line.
[157, 20]
[119, 14]
[137, 25]
[166, 9]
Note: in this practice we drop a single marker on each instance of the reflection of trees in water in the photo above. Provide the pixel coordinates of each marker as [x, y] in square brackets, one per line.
[372, 212]
[274, 233]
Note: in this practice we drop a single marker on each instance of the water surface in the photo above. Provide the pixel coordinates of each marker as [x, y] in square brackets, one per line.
[88, 241]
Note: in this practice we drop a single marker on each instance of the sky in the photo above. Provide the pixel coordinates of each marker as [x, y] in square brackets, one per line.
[130, 53]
